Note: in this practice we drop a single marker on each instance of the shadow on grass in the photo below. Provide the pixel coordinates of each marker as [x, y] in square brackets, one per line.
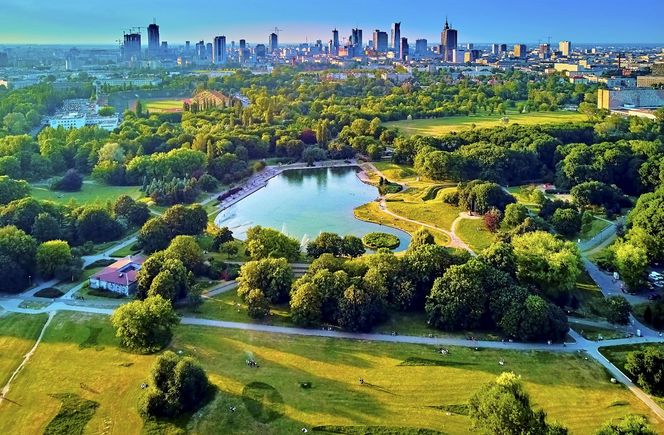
[73, 416]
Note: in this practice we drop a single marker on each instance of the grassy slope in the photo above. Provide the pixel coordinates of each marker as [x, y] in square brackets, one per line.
[475, 234]
[441, 126]
[18, 333]
[79, 355]
[90, 193]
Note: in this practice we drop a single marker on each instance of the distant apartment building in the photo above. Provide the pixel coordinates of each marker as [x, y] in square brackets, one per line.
[520, 51]
[565, 48]
[649, 81]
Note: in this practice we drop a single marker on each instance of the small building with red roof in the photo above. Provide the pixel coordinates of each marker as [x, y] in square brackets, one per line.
[120, 277]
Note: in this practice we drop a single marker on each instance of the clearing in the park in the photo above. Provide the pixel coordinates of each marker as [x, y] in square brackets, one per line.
[407, 387]
[441, 126]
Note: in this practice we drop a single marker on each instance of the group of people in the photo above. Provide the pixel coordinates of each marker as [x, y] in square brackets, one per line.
[252, 364]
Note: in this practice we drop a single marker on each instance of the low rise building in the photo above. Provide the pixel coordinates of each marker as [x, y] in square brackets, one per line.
[120, 277]
[79, 113]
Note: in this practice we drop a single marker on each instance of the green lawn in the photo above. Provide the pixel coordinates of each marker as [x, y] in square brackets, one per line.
[475, 234]
[91, 192]
[434, 212]
[18, 333]
[159, 106]
[406, 386]
[591, 302]
[371, 213]
[597, 334]
[441, 126]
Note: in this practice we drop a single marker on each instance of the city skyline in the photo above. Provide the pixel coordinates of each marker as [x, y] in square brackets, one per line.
[31, 21]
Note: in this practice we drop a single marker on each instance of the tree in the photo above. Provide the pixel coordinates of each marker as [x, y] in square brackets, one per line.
[535, 319]
[630, 425]
[647, 366]
[632, 263]
[53, 256]
[154, 235]
[145, 326]
[515, 214]
[272, 276]
[307, 305]
[503, 407]
[550, 264]
[17, 252]
[72, 181]
[647, 221]
[186, 249]
[175, 385]
[352, 246]
[268, 243]
[136, 213]
[566, 222]
[45, 228]
[313, 154]
[421, 237]
[618, 310]
[258, 306]
[325, 243]
[500, 255]
[11, 190]
[492, 220]
[223, 235]
[95, 223]
[186, 221]
[359, 308]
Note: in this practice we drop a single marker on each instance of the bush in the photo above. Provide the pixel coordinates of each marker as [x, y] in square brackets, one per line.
[49, 293]
[100, 263]
[72, 181]
[381, 240]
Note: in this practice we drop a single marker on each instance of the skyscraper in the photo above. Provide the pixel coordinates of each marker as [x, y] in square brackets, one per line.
[403, 49]
[495, 49]
[260, 51]
[448, 40]
[380, 41]
[273, 43]
[131, 49]
[153, 39]
[335, 42]
[544, 51]
[356, 41]
[520, 51]
[421, 47]
[565, 48]
[219, 50]
[396, 37]
[200, 50]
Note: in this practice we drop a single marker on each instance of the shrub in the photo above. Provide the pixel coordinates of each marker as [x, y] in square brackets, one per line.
[380, 240]
[72, 181]
[49, 293]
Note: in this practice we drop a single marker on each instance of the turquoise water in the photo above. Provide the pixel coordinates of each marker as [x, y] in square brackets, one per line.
[304, 203]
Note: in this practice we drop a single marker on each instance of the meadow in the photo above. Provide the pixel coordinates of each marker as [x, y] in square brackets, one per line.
[442, 126]
[163, 106]
[407, 387]
[91, 192]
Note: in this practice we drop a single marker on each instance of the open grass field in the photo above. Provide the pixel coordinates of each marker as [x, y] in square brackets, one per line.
[406, 386]
[441, 126]
[371, 213]
[434, 212]
[163, 106]
[92, 192]
[475, 234]
[18, 333]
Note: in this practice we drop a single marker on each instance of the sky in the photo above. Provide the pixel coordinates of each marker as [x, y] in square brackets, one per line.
[529, 21]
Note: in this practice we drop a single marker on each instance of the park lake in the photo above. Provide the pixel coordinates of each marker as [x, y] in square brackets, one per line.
[304, 203]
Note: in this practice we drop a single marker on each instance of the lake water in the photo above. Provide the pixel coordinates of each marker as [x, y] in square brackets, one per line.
[304, 203]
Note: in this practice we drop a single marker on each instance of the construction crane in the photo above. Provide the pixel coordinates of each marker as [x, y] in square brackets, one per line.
[138, 29]
[277, 30]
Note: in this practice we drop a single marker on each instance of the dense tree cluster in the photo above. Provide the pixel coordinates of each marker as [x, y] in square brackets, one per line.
[156, 234]
[145, 326]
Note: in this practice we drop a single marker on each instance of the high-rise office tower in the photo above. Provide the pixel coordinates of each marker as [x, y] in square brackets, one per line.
[544, 51]
[470, 46]
[380, 41]
[187, 45]
[131, 49]
[153, 39]
[503, 49]
[164, 47]
[356, 41]
[219, 50]
[335, 43]
[243, 44]
[495, 49]
[448, 39]
[273, 43]
[4, 59]
[396, 37]
[404, 49]
[421, 47]
[520, 51]
[260, 51]
[565, 48]
[200, 50]
[208, 51]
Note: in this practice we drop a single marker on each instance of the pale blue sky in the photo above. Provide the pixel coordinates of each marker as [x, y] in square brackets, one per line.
[97, 21]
